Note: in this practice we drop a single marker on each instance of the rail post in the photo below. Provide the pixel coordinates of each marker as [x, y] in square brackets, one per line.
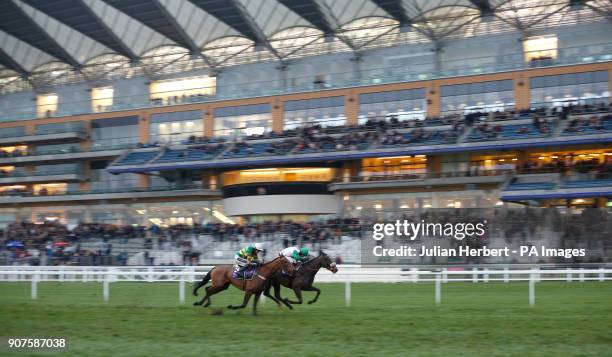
[182, 290]
[347, 292]
[474, 275]
[34, 290]
[581, 275]
[438, 293]
[531, 289]
[601, 274]
[444, 275]
[506, 275]
[105, 288]
[568, 276]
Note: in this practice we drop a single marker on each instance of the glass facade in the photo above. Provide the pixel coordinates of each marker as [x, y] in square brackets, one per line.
[322, 111]
[572, 88]
[55, 128]
[387, 206]
[112, 133]
[403, 105]
[12, 132]
[474, 97]
[159, 213]
[243, 120]
[102, 180]
[175, 127]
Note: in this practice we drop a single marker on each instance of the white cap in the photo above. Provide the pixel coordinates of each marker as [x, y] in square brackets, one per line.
[259, 246]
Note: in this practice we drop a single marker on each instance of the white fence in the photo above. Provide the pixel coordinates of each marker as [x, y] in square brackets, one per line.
[347, 274]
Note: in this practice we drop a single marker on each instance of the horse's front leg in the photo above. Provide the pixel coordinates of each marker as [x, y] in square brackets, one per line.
[257, 296]
[245, 302]
[298, 293]
[277, 288]
[312, 288]
[267, 293]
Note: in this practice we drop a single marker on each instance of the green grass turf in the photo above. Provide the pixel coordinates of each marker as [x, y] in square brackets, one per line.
[485, 319]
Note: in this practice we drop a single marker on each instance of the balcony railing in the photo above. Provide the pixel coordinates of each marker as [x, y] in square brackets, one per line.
[374, 177]
[108, 190]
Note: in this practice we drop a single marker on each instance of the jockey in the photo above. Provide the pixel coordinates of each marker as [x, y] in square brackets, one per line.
[247, 257]
[295, 254]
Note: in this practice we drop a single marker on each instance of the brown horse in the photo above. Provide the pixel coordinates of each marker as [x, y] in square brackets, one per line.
[221, 276]
[302, 280]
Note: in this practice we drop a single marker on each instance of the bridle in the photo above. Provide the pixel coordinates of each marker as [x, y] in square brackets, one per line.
[331, 265]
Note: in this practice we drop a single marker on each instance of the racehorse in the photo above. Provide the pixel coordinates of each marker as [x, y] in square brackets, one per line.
[222, 278]
[301, 281]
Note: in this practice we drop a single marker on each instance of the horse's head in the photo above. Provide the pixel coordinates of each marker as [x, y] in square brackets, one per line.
[328, 263]
[287, 265]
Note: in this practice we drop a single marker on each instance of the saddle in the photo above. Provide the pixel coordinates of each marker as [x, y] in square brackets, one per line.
[299, 265]
[246, 274]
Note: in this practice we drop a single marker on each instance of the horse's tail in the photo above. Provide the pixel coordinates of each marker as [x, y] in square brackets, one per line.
[200, 284]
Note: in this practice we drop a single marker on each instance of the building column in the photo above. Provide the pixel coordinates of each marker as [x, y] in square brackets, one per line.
[86, 185]
[351, 108]
[144, 128]
[278, 116]
[522, 156]
[432, 97]
[87, 215]
[521, 92]
[434, 164]
[610, 80]
[209, 123]
[143, 181]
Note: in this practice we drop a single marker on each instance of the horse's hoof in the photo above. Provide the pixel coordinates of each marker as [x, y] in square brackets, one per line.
[230, 306]
[197, 303]
[311, 302]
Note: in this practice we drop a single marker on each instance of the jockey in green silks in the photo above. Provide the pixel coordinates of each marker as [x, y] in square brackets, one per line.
[247, 256]
[295, 254]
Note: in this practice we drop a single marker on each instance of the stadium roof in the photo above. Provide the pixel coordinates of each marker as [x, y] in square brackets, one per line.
[46, 42]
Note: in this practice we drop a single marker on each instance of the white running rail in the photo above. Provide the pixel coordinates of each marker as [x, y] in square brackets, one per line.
[347, 274]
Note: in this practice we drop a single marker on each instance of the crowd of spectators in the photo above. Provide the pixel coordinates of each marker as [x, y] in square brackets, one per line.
[582, 169]
[52, 243]
[591, 123]
[389, 130]
[539, 124]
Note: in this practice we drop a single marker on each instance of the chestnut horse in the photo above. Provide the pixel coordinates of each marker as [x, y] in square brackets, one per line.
[302, 280]
[221, 276]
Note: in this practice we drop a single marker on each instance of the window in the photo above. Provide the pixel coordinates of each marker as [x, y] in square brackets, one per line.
[101, 99]
[295, 174]
[322, 111]
[394, 166]
[12, 132]
[47, 189]
[540, 48]
[103, 180]
[475, 97]
[182, 90]
[406, 104]
[177, 126]
[46, 105]
[13, 151]
[243, 120]
[114, 133]
[571, 88]
[55, 128]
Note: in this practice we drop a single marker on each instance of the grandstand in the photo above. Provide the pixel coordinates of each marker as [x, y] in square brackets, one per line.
[207, 124]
